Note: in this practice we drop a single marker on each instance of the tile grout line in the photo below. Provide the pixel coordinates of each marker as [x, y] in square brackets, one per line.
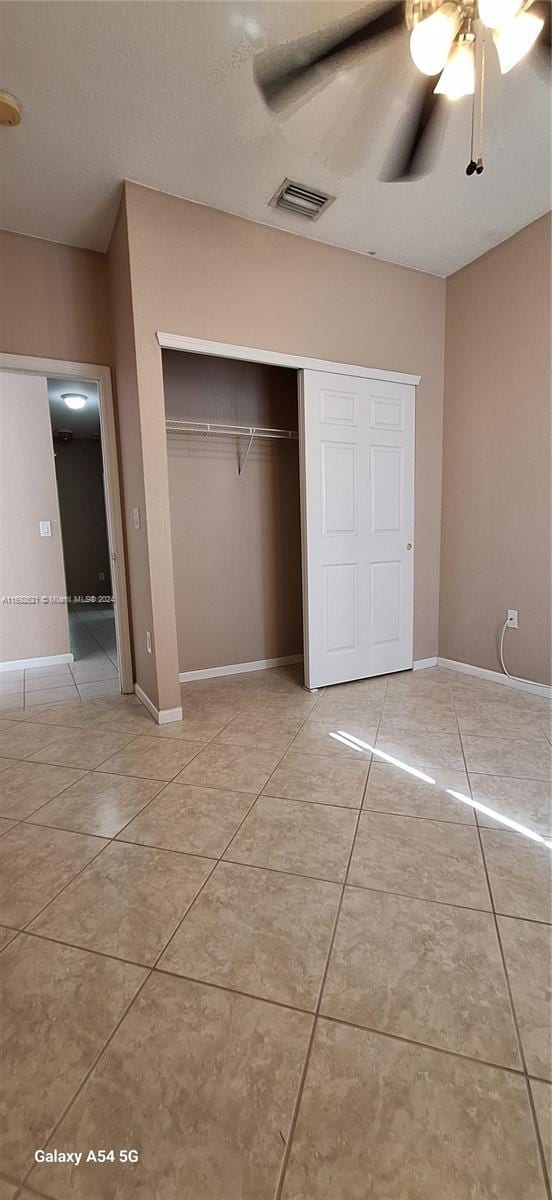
[302, 1080]
[515, 1022]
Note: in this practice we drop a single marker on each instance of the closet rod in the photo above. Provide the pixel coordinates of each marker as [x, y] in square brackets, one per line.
[215, 427]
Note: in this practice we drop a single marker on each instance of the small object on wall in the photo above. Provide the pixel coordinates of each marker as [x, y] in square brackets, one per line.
[148, 642]
[136, 517]
[45, 528]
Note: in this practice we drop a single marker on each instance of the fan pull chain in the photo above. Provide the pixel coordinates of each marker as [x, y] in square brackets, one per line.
[476, 166]
[479, 168]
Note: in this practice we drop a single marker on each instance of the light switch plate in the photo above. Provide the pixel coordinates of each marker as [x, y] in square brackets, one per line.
[45, 528]
[136, 517]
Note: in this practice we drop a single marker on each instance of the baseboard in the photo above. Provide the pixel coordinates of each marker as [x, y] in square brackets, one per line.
[163, 716]
[422, 663]
[25, 664]
[537, 689]
[262, 664]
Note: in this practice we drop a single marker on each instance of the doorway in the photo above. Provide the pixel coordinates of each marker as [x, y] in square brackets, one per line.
[88, 496]
[78, 459]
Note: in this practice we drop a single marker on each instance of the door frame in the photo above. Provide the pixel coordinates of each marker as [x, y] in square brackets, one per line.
[100, 375]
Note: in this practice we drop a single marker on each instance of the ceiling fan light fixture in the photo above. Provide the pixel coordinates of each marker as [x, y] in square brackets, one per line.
[495, 13]
[458, 77]
[432, 38]
[515, 39]
[74, 399]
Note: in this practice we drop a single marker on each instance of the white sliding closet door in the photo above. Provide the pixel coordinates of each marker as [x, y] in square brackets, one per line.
[357, 508]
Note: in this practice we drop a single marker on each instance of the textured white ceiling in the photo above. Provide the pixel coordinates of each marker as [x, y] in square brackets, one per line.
[162, 93]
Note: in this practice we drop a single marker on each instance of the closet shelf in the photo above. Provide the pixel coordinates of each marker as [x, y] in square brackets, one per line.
[220, 430]
[229, 430]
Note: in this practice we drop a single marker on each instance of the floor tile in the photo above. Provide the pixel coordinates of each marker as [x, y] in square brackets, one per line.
[316, 738]
[99, 803]
[21, 739]
[35, 863]
[498, 720]
[74, 715]
[259, 932]
[255, 728]
[527, 801]
[194, 819]
[80, 748]
[102, 687]
[236, 767]
[6, 936]
[392, 790]
[424, 750]
[152, 758]
[380, 1118]
[542, 1099]
[5, 824]
[430, 860]
[428, 972]
[515, 757]
[10, 704]
[8, 1190]
[26, 786]
[128, 903]
[57, 677]
[308, 839]
[394, 726]
[528, 954]
[520, 875]
[55, 671]
[320, 780]
[51, 695]
[7, 762]
[92, 669]
[125, 718]
[59, 1006]
[222, 1069]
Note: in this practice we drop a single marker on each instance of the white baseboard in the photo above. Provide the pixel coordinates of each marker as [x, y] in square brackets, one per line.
[262, 664]
[163, 716]
[49, 660]
[422, 663]
[537, 689]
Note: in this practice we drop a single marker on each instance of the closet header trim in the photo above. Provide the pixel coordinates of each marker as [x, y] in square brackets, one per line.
[176, 341]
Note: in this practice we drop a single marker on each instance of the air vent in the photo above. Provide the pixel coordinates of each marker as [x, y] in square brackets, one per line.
[296, 197]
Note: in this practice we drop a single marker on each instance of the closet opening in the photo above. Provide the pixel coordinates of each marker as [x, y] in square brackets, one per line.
[233, 459]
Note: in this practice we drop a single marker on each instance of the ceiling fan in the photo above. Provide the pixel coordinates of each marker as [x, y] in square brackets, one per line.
[448, 40]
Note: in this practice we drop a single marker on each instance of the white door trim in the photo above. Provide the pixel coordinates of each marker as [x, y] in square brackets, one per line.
[176, 341]
[60, 369]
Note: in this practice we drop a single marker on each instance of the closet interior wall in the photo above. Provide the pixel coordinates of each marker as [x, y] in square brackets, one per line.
[236, 539]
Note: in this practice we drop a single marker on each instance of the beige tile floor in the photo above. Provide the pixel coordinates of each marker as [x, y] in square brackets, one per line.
[277, 964]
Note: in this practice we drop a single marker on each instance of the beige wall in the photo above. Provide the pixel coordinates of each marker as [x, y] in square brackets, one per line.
[236, 538]
[206, 274]
[30, 565]
[53, 301]
[497, 467]
[130, 454]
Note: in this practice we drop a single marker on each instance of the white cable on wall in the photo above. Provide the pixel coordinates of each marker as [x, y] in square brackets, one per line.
[518, 678]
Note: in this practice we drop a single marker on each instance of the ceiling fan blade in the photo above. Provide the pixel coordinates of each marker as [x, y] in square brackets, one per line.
[414, 147]
[542, 52]
[281, 74]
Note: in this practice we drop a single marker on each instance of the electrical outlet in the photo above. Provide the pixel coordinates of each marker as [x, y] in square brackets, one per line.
[148, 642]
[513, 617]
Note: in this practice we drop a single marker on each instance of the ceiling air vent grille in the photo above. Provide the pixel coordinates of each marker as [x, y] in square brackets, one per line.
[297, 198]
